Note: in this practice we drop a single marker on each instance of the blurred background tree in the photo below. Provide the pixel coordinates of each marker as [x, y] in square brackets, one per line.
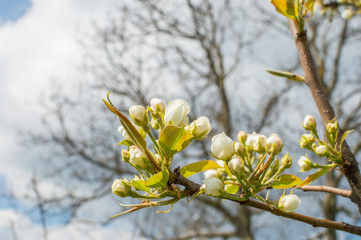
[213, 54]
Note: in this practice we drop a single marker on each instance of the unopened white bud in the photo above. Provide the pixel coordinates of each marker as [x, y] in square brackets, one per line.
[222, 146]
[137, 158]
[274, 143]
[200, 128]
[289, 203]
[321, 150]
[176, 112]
[235, 165]
[157, 105]
[309, 123]
[305, 164]
[139, 115]
[213, 186]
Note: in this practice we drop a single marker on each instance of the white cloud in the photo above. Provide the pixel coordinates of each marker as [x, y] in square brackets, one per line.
[41, 44]
[15, 223]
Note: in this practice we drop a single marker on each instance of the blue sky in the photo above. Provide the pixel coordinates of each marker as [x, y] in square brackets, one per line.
[11, 10]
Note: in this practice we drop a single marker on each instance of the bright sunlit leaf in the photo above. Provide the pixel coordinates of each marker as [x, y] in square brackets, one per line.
[193, 168]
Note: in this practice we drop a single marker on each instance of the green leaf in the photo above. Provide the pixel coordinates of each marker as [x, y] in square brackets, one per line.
[314, 176]
[125, 142]
[286, 181]
[193, 168]
[287, 75]
[140, 185]
[158, 180]
[131, 131]
[173, 139]
[232, 189]
[345, 134]
[287, 8]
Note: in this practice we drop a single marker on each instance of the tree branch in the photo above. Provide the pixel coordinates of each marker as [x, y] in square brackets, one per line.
[338, 191]
[350, 167]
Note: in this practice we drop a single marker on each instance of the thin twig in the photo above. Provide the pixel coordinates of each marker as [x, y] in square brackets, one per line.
[338, 191]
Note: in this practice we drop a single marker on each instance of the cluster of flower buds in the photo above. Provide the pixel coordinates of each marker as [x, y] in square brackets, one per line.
[174, 134]
[242, 169]
[249, 165]
[328, 148]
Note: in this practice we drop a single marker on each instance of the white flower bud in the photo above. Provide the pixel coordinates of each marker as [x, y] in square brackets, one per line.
[259, 143]
[222, 146]
[176, 113]
[137, 158]
[200, 128]
[213, 186]
[139, 115]
[274, 143]
[309, 123]
[347, 14]
[251, 140]
[289, 203]
[122, 131]
[305, 164]
[239, 148]
[157, 105]
[235, 165]
[242, 136]
[121, 188]
[321, 150]
[210, 173]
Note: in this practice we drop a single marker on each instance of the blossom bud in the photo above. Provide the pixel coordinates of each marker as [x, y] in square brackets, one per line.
[251, 140]
[139, 115]
[125, 155]
[240, 148]
[321, 151]
[157, 105]
[331, 127]
[274, 143]
[242, 136]
[200, 128]
[222, 146]
[122, 131]
[213, 186]
[289, 203]
[137, 158]
[259, 143]
[286, 161]
[210, 173]
[176, 112]
[236, 166]
[121, 188]
[305, 164]
[306, 141]
[309, 123]
[347, 14]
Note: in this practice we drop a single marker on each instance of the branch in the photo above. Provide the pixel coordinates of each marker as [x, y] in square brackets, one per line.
[193, 187]
[315, 222]
[338, 191]
[350, 167]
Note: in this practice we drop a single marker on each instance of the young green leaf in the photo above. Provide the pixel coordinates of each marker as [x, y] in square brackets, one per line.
[173, 139]
[193, 168]
[131, 131]
[287, 8]
[232, 189]
[158, 180]
[314, 176]
[287, 75]
[286, 181]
